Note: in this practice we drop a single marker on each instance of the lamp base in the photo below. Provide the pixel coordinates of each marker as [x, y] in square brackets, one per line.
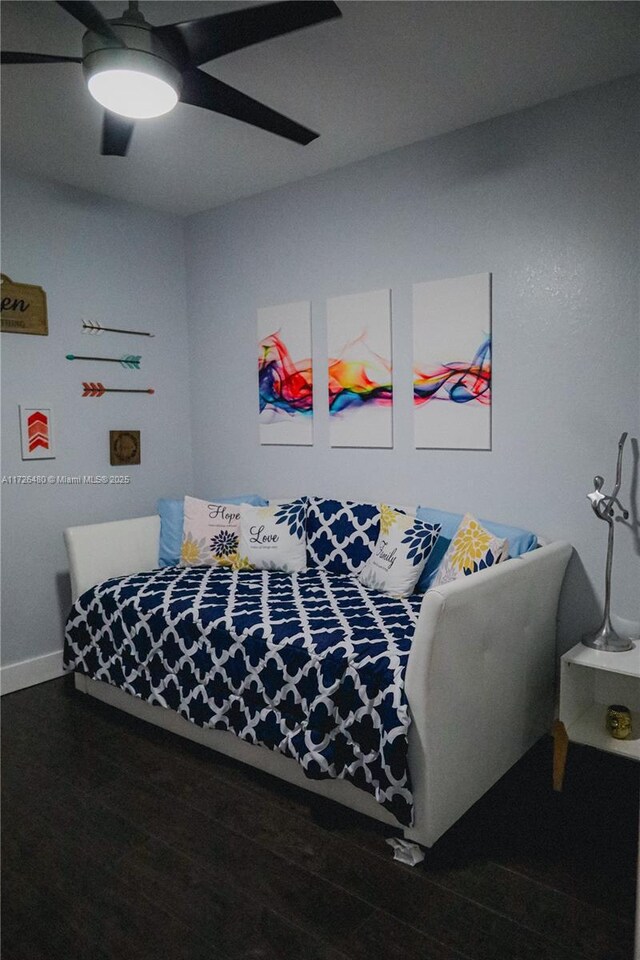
[605, 638]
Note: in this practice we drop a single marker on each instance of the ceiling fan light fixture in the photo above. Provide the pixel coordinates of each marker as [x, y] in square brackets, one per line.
[132, 83]
[133, 94]
[136, 70]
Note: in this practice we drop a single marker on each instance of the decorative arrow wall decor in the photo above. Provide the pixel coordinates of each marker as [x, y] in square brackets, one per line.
[131, 362]
[98, 390]
[91, 327]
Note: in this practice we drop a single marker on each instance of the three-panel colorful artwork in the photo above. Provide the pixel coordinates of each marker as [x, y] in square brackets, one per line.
[451, 368]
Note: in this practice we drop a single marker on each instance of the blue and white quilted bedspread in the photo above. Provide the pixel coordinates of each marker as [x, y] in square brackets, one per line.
[311, 664]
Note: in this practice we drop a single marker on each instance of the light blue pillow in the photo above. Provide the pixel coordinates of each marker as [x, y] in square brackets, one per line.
[172, 520]
[520, 541]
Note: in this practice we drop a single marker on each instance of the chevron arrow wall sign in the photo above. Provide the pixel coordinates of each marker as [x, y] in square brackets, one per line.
[36, 432]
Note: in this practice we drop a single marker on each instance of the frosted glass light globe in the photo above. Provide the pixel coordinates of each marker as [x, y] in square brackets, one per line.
[132, 93]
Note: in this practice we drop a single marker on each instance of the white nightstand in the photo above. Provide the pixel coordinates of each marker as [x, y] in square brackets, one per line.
[591, 680]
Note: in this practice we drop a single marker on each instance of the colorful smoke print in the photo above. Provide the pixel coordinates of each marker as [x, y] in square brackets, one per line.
[359, 370]
[359, 377]
[458, 382]
[285, 383]
[452, 363]
[285, 386]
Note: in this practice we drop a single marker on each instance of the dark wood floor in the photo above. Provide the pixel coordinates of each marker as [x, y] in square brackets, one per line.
[123, 841]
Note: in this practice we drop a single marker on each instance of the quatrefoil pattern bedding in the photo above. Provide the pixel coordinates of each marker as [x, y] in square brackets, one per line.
[341, 534]
[311, 664]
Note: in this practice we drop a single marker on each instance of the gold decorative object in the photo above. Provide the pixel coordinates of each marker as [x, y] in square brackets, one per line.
[23, 308]
[619, 721]
[124, 447]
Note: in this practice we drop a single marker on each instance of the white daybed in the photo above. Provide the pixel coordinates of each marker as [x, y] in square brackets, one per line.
[480, 677]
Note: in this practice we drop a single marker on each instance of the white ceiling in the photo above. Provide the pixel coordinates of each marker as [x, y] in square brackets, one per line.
[388, 73]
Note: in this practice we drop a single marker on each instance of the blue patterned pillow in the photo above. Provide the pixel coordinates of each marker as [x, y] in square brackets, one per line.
[341, 534]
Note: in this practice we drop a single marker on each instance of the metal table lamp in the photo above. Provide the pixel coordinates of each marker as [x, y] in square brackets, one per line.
[605, 637]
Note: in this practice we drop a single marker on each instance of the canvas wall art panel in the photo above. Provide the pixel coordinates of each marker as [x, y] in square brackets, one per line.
[452, 363]
[360, 370]
[285, 382]
[36, 432]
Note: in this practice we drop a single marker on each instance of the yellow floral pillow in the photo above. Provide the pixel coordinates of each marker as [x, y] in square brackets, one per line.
[210, 533]
[473, 548]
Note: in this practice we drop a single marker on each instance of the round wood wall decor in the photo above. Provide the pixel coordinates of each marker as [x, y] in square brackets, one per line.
[124, 447]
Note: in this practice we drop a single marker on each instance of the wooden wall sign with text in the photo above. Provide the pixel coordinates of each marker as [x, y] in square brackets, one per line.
[23, 308]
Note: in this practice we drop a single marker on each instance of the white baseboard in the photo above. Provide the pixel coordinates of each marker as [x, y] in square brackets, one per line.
[26, 673]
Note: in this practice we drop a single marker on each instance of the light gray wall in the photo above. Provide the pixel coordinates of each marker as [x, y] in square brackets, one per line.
[547, 201]
[123, 266]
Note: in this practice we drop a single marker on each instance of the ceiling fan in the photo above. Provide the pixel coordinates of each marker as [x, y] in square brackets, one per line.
[136, 71]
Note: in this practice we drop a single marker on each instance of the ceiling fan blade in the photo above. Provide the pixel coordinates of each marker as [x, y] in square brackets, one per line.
[202, 90]
[116, 134]
[90, 17]
[210, 37]
[8, 57]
